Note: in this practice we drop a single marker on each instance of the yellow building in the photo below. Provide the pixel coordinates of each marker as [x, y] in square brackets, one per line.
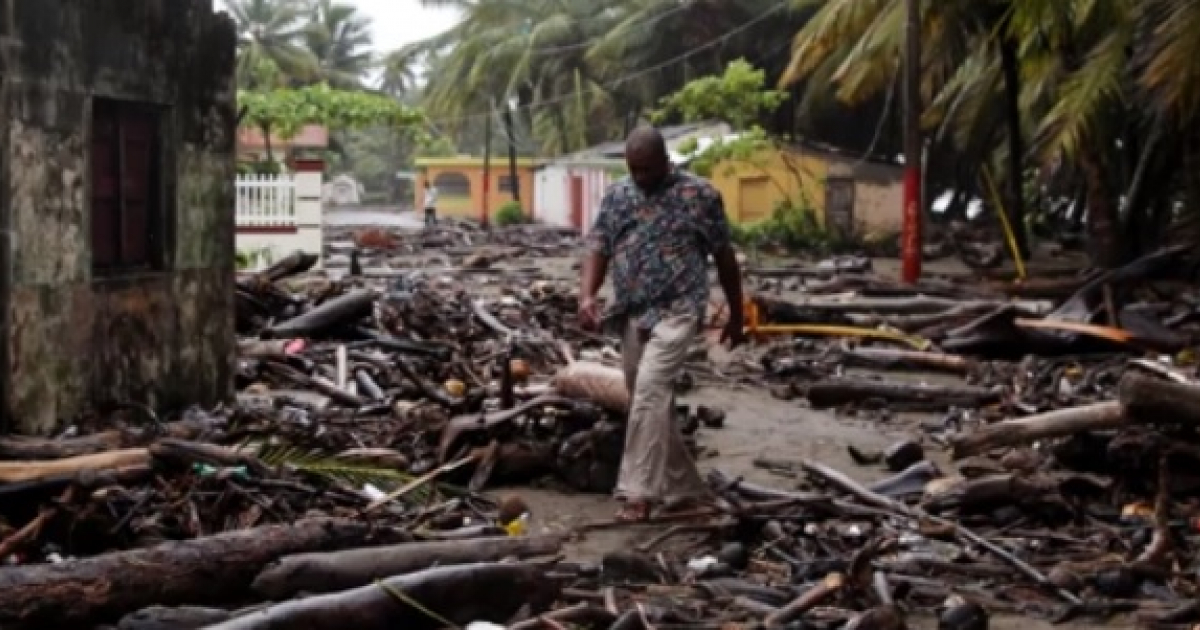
[842, 190]
[459, 181]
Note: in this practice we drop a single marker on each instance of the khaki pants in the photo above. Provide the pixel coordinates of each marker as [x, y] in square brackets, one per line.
[656, 466]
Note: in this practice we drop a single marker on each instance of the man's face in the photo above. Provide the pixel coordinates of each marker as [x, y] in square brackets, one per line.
[647, 169]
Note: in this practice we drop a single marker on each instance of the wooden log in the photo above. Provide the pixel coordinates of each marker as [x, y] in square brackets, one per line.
[87, 479]
[344, 309]
[30, 448]
[1154, 400]
[166, 618]
[205, 571]
[1053, 424]
[11, 472]
[920, 304]
[894, 358]
[454, 595]
[295, 263]
[342, 570]
[841, 391]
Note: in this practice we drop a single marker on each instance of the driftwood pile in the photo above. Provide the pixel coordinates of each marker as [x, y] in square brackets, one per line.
[342, 488]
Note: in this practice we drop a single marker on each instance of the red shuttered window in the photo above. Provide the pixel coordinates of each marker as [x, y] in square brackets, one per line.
[126, 190]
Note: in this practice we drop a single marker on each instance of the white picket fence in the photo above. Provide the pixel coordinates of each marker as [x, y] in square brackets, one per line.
[276, 215]
[266, 201]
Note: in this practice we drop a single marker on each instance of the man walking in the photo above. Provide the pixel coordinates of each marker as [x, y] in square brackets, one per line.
[657, 228]
[430, 202]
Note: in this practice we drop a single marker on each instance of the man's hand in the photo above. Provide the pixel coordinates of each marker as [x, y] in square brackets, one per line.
[734, 333]
[589, 313]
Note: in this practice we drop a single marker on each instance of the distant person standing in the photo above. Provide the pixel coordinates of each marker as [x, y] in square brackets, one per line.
[430, 203]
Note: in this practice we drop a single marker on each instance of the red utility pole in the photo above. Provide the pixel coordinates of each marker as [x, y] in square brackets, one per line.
[487, 164]
[913, 211]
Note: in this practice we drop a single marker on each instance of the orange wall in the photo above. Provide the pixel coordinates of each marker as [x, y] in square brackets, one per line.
[472, 206]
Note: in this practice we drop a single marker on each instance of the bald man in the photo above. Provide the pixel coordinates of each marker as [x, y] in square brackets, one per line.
[656, 229]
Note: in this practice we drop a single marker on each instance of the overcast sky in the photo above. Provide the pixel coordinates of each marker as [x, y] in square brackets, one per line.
[398, 22]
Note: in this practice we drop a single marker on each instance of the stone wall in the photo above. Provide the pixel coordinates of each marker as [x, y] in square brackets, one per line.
[77, 340]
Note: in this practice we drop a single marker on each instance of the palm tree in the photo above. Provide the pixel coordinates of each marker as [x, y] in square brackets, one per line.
[339, 38]
[269, 31]
[401, 70]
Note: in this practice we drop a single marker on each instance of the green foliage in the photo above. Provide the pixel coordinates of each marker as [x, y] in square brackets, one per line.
[284, 111]
[259, 167]
[794, 228]
[437, 146]
[510, 214]
[248, 258]
[739, 97]
[747, 148]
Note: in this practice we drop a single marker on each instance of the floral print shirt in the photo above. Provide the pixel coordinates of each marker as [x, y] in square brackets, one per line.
[658, 245]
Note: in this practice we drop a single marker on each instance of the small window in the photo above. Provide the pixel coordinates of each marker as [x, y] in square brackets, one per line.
[506, 183]
[452, 184]
[126, 182]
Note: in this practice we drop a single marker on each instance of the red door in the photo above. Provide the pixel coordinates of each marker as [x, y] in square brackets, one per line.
[577, 202]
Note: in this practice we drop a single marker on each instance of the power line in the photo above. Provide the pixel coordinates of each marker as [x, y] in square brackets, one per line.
[526, 143]
[628, 77]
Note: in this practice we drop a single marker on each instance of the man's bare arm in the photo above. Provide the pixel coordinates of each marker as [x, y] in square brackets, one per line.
[595, 268]
[729, 273]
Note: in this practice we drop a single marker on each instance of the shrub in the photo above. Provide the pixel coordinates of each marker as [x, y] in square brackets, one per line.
[510, 214]
[793, 228]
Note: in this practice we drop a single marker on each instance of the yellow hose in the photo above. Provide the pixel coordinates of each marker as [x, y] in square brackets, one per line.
[1009, 235]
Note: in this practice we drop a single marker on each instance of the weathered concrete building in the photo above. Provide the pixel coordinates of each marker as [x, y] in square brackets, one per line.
[116, 193]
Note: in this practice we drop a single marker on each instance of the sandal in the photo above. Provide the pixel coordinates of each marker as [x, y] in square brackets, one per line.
[634, 512]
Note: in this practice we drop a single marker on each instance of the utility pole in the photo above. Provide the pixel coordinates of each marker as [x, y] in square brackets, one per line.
[487, 163]
[512, 151]
[913, 210]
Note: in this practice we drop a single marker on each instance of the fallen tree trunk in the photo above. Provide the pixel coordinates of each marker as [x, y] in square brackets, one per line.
[1059, 423]
[30, 448]
[841, 391]
[341, 570]
[1154, 400]
[454, 595]
[11, 472]
[295, 263]
[344, 309]
[214, 570]
[87, 479]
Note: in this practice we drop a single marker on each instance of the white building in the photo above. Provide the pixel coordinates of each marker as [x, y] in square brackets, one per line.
[568, 190]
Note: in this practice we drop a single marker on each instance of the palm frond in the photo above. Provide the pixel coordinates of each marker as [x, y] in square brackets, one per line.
[339, 469]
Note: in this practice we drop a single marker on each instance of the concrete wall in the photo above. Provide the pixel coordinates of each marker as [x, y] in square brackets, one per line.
[555, 199]
[878, 194]
[470, 206]
[75, 340]
[752, 188]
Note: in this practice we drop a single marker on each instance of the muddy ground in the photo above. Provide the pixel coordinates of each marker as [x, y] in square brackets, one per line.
[757, 426]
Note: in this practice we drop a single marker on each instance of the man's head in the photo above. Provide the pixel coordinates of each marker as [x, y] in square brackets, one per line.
[647, 158]
[427, 184]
